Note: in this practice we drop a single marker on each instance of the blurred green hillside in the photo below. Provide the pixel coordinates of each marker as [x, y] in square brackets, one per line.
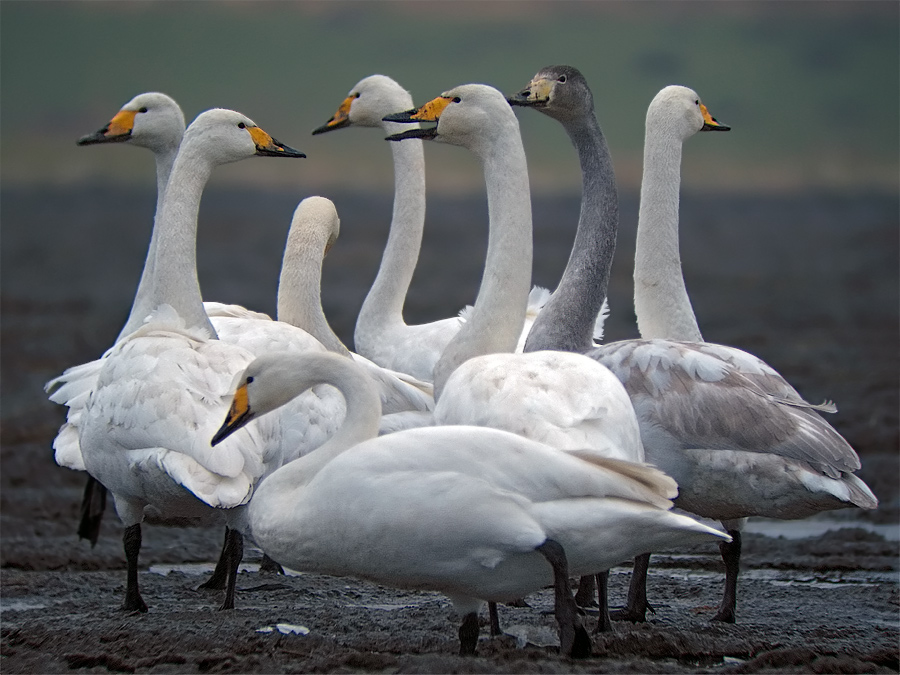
[810, 88]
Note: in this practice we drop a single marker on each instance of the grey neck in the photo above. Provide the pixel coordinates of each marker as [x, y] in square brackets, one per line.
[566, 323]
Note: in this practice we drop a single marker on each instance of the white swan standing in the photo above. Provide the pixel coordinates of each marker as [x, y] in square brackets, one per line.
[381, 333]
[159, 388]
[737, 438]
[475, 513]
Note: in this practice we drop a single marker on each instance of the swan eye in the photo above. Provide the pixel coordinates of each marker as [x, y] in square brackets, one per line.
[456, 99]
[242, 125]
[562, 78]
[697, 102]
[144, 109]
[249, 379]
[357, 95]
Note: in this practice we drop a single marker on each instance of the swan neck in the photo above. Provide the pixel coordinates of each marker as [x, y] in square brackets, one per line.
[140, 307]
[300, 287]
[174, 279]
[661, 302]
[567, 321]
[363, 415]
[382, 309]
[498, 316]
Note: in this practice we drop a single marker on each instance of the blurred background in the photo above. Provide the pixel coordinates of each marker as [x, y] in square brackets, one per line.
[789, 221]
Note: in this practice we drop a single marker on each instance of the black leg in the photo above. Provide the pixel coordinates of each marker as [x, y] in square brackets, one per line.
[267, 565]
[219, 577]
[495, 619]
[93, 504]
[636, 606]
[574, 640]
[604, 623]
[131, 541]
[468, 634]
[584, 596]
[235, 548]
[731, 555]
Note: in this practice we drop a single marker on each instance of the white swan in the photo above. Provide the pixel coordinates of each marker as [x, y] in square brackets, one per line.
[472, 512]
[160, 387]
[155, 121]
[314, 229]
[381, 333]
[737, 438]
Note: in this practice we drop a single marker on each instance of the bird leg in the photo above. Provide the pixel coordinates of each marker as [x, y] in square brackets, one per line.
[93, 504]
[604, 623]
[584, 596]
[574, 640]
[495, 619]
[731, 555]
[468, 634]
[234, 545]
[220, 575]
[131, 542]
[636, 606]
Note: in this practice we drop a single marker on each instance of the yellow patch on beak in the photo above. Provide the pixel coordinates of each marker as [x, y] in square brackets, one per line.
[240, 406]
[539, 90]
[708, 119]
[122, 123]
[431, 111]
[262, 139]
[343, 113]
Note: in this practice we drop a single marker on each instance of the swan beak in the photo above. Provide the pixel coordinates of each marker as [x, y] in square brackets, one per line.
[430, 112]
[266, 146]
[710, 123]
[339, 120]
[535, 95]
[238, 415]
[119, 129]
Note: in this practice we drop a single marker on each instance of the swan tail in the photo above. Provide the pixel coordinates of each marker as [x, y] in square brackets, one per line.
[653, 485]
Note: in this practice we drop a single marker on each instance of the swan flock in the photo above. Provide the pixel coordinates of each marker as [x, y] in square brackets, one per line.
[486, 455]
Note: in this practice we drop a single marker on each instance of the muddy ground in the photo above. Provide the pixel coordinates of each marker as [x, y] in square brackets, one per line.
[809, 283]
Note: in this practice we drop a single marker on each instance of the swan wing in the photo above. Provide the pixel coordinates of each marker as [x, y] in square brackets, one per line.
[694, 398]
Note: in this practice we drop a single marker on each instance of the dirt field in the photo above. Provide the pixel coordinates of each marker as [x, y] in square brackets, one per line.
[808, 283]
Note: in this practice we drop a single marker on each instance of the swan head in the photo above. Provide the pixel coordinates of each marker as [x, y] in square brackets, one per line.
[151, 120]
[367, 103]
[679, 111]
[319, 214]
[561, 92]
[228, 136]
[469, 115]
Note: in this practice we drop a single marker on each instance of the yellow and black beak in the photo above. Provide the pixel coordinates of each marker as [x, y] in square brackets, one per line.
[430, 112]
[339, 120]
[238, 415]
[266, 146]
[710, 123]
[119, 129]
[535, 95]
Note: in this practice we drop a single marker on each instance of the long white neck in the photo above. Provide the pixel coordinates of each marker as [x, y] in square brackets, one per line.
[382, 310]
[498, 316]
[300, 286]
[174, 277]
[661, 301]
[566, 323]
[360, 421]
[140, 308]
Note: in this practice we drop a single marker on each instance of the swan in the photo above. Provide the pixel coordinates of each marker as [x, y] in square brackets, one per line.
[159, 388]
[736, 437]
[155, 121]
[475, 513]
[381, 333]
[315, 227]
